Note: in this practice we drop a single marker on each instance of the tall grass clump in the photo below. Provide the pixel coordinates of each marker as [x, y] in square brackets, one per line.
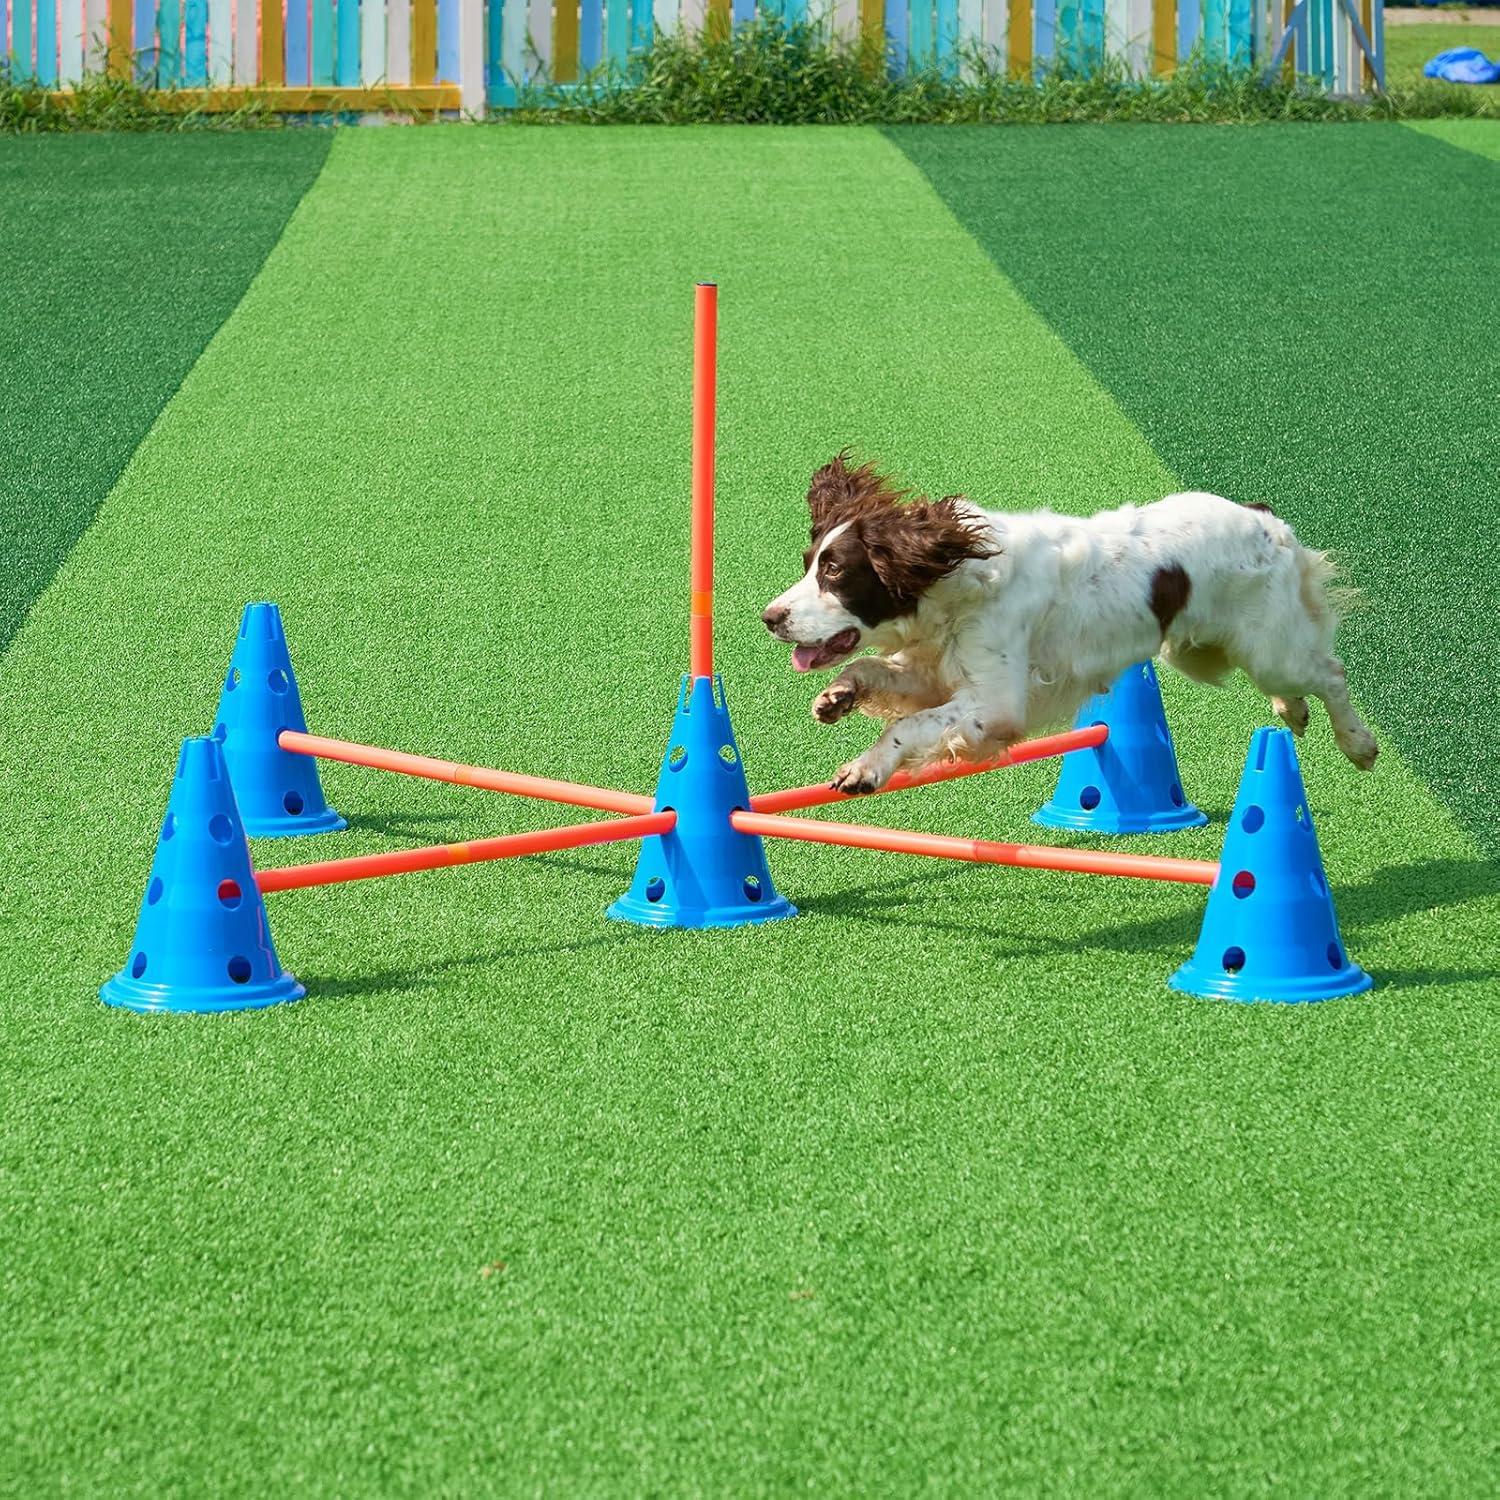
[100, 102]
[770, 71]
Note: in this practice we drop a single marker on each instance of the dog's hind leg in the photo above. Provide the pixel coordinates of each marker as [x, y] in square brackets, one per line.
[1202, 663]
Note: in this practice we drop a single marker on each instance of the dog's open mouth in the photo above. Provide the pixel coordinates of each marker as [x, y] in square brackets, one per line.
[835, 648]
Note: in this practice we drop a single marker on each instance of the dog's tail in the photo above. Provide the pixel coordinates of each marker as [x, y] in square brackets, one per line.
[1326, 597]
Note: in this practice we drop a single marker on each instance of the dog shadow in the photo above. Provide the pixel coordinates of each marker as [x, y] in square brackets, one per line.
[1395, 893]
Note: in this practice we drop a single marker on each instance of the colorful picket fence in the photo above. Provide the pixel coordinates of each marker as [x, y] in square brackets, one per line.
[1339, 41]
[353, 55]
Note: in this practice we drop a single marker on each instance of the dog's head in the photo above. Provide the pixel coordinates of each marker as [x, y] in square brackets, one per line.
[874, 554]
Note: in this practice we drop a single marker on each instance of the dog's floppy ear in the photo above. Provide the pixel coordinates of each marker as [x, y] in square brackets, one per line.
[836, 491]
[914, 546]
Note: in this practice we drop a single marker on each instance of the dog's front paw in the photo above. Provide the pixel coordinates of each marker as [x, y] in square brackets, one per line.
[836, 700]
[859, 777]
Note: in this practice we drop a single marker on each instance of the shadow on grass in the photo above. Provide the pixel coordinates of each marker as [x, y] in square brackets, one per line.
[427, 975]
[1396, 892]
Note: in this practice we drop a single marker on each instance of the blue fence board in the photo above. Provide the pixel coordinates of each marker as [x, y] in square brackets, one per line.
[590, 35]
[298, 72]
[895, 34]
[346, 70]
[1188, 20]
[447, 58]
[169, 44]
[195, 43]
[46, 41]
[1044, 35]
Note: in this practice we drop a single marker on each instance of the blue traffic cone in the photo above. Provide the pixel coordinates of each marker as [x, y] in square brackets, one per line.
[278, 792]
[1270, 932]
[1129, 784]
[201, 940]
[703, 873]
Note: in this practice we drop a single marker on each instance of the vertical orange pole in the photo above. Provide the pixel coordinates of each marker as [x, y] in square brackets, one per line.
[701, 611]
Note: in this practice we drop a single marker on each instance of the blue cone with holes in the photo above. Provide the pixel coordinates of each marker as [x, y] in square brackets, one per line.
[201, 940]
[1129, 784]
[278, 792]
[1270, 932]
[703, 873]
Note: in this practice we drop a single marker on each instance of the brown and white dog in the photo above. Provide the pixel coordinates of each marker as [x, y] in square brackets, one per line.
[988, 627]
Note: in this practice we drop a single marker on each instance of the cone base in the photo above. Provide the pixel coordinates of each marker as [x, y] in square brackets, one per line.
[163, 999]
[663, 914]
[1079, 821]
[1215, 984]
[327, 821]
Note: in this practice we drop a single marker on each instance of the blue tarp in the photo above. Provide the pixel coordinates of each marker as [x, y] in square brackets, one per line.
[1463, 65]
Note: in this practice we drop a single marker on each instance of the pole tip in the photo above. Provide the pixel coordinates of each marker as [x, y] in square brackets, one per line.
[707, 283]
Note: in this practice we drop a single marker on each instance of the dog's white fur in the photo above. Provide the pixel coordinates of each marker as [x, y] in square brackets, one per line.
[1008, 645]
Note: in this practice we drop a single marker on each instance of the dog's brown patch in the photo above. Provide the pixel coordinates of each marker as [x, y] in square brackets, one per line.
[892, 550]
[1170, 587]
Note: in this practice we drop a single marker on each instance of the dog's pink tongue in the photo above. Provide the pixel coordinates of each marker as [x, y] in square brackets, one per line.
[803, 657]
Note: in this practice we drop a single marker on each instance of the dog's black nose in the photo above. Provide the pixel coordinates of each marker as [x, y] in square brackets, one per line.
[775, 616]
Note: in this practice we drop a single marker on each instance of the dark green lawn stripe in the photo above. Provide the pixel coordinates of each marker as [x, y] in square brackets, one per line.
[1285, 327]
[119, 257]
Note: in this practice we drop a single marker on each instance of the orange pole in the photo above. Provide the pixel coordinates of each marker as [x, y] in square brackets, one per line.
[1037, 749]
[979, 851]
[507, 846]
[701, 607]
[544, 787]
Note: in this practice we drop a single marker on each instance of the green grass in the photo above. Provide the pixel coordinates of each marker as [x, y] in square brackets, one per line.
[159, 239]
[1408, 48]
[936, 1186]
[1354, 393]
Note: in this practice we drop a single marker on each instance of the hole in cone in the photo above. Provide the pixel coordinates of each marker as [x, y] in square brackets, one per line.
[1253, 821]
[727, 755]
[1304, 819]
[752, 888]
[220, 829]
[278, 681]
[230, 893]
[1335, 956]
[1243, 884]
[656, 888]
[169, 826]
[1175, 793]
[1088, 798]
[1233, 960]
[233, 680]
[138, 966]
[153, 892]
[293, 803]
[1316, 881]
[239, 969]
[677, 757]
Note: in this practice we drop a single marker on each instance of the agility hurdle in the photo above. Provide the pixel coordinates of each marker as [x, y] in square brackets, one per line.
[202, 940]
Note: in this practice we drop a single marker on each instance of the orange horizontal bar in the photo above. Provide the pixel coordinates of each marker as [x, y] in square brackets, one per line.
[978, 851]
[507, 846]
[1037, 749]
[570, 792]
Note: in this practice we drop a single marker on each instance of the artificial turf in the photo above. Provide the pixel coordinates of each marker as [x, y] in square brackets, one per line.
[1304, 320]
[935, 1186]
[122, 255]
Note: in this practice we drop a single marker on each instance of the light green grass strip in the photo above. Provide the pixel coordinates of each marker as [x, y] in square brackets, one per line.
[937, 1184]
[1482, 137]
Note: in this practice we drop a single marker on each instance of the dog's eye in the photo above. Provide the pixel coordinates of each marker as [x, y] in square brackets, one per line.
[832, 570]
